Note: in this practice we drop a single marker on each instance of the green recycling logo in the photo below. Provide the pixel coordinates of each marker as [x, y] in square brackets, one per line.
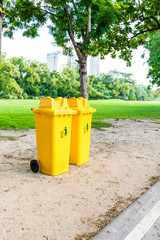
[63, 133]
[86, 128]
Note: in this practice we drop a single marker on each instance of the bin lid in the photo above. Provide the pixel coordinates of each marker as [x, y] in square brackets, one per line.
[81, 105]
[57, 106]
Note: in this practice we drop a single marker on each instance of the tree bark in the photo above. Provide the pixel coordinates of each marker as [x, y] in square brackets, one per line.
[82, 57]
[1, 28]
[83, 63]
[1, 18]
[83, 77]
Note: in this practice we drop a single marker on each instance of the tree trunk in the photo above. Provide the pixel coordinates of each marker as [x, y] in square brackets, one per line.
[83, 77]
[1, 18]
[82, 57]
[1, 28]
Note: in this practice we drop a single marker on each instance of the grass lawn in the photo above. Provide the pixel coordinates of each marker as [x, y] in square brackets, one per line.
[17, 114]
[125, 109]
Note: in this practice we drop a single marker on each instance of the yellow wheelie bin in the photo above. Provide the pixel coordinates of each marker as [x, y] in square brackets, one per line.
[53, 132]
[81, 130]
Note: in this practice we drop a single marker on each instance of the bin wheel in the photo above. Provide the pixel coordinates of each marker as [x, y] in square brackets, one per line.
[34, 165]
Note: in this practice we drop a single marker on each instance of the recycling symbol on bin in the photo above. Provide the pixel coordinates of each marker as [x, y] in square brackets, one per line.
[86, 128]
[63, 133]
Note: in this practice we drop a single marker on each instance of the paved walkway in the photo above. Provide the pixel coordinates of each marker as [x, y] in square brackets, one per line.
[141, 221]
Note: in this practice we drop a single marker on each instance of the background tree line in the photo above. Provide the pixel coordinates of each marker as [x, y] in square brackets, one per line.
[21, 78]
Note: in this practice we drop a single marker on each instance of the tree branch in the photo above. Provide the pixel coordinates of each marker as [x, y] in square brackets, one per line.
[148, 30]
[76, 10]
[143, 19]
[71, 33]
[74, 5]
[40, 9]
[141, 8]
[89, 22]
[158, 23]
[1, 9]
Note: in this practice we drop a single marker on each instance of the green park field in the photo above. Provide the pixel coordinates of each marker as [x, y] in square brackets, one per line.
[17, 114]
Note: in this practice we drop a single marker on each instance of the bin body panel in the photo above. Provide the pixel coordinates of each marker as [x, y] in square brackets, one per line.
[53, 142]
[80, 138]
[81, 130]
[44, 129]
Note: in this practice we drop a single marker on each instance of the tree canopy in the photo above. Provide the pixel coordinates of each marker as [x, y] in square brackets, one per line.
[92, 26]
[114, 26]
[71, 22]
[153, 46]
[137, 19]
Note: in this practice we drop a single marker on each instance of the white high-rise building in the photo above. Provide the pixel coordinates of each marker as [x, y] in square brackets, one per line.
[94, 65]
[57, 61]
[52, 61]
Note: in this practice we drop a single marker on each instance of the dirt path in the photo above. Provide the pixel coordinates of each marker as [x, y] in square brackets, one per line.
[124, 161]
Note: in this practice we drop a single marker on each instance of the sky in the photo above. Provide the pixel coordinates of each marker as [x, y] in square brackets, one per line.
[38, 48]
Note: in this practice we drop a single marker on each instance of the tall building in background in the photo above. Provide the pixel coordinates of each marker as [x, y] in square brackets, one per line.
[94, 65]
[52, 61]
[57, 61]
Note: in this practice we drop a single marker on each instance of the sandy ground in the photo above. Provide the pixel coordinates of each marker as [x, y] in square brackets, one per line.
[124, 161]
